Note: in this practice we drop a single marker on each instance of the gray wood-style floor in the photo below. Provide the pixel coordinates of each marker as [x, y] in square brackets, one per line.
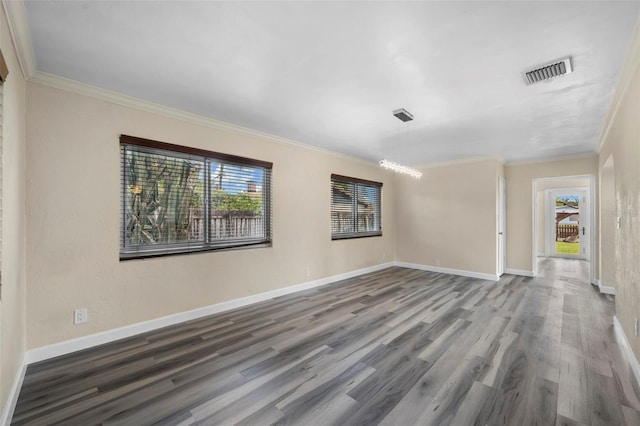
[396, 347]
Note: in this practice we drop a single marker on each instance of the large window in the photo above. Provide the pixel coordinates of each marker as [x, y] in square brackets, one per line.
[176, 199]
[355, 207]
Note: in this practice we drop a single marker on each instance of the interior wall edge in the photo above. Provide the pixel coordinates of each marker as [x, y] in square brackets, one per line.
[606, 289]
[10, 404]
[460, 272]
[520, 272]
[20, 35]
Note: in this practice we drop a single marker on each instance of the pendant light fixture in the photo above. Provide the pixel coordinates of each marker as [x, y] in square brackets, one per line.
[404, 116]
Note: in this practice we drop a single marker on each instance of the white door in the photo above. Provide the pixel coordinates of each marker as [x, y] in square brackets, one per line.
[502, 210]
[568, 223]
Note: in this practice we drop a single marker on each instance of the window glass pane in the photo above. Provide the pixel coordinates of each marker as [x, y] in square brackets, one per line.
[237, 202]
[367, 208]
[164, 199]
[342, 212]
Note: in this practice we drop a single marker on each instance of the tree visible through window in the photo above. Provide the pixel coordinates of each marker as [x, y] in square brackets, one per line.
[162, 194]
[355, 207]
[178, 199]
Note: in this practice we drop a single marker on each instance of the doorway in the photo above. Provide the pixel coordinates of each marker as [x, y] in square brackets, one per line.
[544, 233]
[567, 223]
[502, 208]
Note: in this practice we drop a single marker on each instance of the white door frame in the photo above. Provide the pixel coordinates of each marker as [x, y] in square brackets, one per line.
[534, 202]
[502, 225]
[584, 226]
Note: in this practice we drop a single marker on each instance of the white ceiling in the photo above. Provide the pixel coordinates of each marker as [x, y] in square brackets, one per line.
[330, 73]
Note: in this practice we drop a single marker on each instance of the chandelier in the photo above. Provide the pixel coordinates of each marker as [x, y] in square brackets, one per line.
[404, 116]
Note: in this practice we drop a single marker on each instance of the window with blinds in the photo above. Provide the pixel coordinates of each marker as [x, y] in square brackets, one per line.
[355, 207]
[176, 199]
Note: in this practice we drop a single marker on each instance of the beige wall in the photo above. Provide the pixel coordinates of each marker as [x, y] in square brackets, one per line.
[72, 212]
[449, 217]
[12, 306]
[540, 204]
[520, 179]
[622, 142]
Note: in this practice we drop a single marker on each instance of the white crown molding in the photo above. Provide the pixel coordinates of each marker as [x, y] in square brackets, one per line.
[552, 159]
[83, 89]
[629, 69]
[563, 178]
[460, 161]
[19, 29]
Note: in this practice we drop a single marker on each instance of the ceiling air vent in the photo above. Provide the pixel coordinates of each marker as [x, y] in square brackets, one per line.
[403, 114]
[549, 71]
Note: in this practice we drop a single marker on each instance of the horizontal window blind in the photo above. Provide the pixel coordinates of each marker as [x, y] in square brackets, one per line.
[355, 207]
[238, 203]
[177, 199]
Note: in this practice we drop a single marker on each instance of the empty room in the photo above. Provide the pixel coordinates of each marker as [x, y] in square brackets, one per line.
[319, 212]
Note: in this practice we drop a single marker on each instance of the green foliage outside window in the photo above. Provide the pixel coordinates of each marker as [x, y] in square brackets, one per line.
[249, 203]
[161, 194]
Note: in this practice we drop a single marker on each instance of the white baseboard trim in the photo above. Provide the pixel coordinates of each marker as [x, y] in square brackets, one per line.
[626, 348]
[85, 342]
[521, 272]
[12, 399]
[605, 289]
[460, 272]
[57, 349]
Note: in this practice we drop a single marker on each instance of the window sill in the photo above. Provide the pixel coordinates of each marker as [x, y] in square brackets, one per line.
[352, 236]
[126, 256]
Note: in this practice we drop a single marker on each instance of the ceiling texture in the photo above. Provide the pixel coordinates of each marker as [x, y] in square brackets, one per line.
[329, 74]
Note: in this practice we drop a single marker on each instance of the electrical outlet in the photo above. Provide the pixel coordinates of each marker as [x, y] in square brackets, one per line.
[618, 222]
[635, 326]
[437, 262]
[307, 272]
[80, 316]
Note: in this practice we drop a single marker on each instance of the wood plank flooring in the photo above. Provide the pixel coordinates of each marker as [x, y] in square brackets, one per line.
[396, 347]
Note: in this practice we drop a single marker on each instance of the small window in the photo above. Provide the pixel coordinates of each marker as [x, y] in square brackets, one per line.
[177, 199]
[355, 208]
